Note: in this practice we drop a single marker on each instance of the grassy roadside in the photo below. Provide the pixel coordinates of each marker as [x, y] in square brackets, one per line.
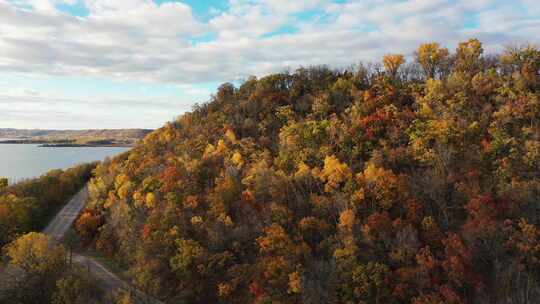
[71, 240]
[108, 263]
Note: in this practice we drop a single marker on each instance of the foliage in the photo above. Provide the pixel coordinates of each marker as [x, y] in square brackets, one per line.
[87, 225]
[35, 253]
[38, 273]
[413, 184]
[3, 182]
[75, 287]
[27, 205]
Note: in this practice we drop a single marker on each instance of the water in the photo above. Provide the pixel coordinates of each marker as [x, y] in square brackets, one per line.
[18, 162]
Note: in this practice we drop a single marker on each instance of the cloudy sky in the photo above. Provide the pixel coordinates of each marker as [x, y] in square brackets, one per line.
[138, 63]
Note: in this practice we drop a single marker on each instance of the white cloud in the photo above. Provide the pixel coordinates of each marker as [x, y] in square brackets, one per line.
[138, 40]
[248, 22]
[288, 7]
[22, 107]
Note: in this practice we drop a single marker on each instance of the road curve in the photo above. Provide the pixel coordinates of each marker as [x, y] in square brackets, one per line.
[58, 227]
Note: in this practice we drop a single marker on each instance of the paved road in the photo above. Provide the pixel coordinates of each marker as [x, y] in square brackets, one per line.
[63, 220]
[58, 227]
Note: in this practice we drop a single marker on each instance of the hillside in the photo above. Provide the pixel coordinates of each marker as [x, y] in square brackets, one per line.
[81, 137]
[402, 183]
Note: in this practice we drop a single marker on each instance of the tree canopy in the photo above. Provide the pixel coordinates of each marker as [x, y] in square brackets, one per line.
[27, 206]
[416, 183]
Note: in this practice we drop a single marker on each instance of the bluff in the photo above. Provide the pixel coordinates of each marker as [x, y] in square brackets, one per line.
[396, 183]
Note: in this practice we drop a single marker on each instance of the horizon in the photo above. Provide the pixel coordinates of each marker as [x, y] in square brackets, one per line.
[92, 129]
[134, 64]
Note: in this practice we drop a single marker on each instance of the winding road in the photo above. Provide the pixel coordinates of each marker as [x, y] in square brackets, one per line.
[57, 229]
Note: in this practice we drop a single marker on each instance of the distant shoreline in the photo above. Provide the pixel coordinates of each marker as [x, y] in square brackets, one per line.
[124, 138]
[85, 146]
[48, 144]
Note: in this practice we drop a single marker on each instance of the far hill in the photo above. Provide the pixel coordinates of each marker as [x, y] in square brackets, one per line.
[94, 137]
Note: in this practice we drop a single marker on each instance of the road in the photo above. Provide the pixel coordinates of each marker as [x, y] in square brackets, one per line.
[63, 220]
[58, 227]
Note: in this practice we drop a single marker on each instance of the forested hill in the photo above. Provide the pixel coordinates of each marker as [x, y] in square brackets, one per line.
[408, 182]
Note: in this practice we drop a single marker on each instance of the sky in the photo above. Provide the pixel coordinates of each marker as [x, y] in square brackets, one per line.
[78, 64]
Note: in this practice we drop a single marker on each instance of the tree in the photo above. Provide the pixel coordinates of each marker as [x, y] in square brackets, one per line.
[382, 184]
[524, 63]
[392, 63]
[188, 258]
[35, 253]
[75, 287]
[468, 55]
[27, 205]
[334, 173]
[432, 58]
[3, 183]
[335, 186]
[87, 225]
[275, 240]
[15, 216]
[40, 263]
[372, 282]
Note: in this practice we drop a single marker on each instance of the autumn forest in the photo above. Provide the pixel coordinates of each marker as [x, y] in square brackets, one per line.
[414, 180]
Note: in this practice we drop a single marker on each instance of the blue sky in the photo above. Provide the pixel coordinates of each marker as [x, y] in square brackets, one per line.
[74, 64]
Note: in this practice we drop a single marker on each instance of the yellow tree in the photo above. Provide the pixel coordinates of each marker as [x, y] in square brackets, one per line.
[467, 56]
[334, 173]
[392, 62]
[35, 253]
[431, 57]
[39, 262]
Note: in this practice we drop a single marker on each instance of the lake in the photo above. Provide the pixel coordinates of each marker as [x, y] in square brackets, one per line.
[19, 162]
